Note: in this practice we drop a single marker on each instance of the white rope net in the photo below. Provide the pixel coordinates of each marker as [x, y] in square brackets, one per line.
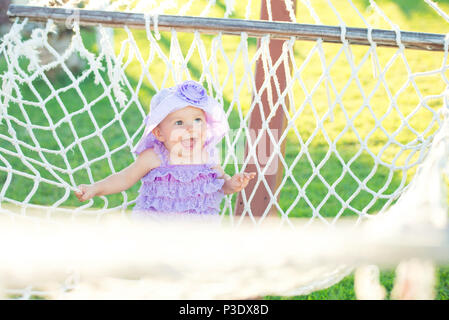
[360, 119]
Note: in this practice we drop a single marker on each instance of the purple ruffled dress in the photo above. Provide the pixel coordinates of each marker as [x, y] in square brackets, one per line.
[178, 191]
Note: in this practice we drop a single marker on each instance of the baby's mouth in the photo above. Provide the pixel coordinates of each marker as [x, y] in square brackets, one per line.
[188, 143]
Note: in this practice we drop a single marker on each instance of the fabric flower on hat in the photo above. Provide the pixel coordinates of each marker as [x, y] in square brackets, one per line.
[192, 92]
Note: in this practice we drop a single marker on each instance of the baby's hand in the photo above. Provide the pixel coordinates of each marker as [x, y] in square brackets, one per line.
[239, 181]
[86, 192]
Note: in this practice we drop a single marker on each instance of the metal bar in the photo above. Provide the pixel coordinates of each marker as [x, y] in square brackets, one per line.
[254, 28]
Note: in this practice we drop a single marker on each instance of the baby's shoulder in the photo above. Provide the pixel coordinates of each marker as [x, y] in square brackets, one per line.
[149, 158]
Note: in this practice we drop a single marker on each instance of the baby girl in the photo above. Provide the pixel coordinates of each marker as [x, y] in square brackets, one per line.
[176, 158]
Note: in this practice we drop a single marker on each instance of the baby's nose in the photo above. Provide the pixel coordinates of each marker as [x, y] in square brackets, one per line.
[193, 127]
[188, 129]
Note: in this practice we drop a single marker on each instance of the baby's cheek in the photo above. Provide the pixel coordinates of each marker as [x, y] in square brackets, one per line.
[204, 133]
[176, 135]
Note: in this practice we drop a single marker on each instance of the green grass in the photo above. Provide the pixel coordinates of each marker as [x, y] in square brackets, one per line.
[321, 161]
[344, 290]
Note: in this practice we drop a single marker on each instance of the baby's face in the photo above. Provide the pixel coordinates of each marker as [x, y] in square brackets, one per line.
[183, 131]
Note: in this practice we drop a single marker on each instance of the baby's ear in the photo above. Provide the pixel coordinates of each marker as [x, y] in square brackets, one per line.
[157, 133]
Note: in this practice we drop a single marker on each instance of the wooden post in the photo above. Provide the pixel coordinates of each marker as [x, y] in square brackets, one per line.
[264, 148]
[4, 19]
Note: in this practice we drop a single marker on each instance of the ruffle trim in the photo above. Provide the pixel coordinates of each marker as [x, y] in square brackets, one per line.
[200, 204]
[174, 190]
[182, 173]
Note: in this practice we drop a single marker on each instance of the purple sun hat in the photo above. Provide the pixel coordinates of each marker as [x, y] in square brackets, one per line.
[187, 93]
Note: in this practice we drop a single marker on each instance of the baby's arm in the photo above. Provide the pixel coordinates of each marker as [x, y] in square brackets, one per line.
[123, 180]
[235, 183]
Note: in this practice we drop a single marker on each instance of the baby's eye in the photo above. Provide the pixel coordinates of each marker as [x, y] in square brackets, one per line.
[198, 120]
[178, 123]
